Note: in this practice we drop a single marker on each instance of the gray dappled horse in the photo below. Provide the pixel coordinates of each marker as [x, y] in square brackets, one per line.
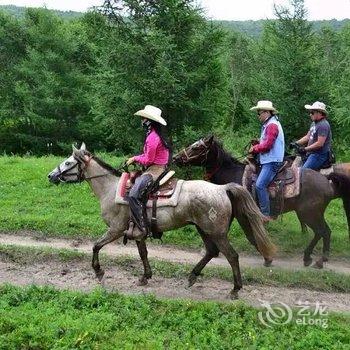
[196, 202]
[316, 190]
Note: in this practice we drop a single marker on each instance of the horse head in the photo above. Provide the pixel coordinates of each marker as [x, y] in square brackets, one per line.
[195, 154]
[72, 169]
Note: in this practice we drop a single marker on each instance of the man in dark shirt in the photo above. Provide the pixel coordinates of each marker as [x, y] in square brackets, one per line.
[318, 139]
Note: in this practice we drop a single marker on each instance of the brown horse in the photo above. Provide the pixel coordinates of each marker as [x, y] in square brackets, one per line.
[316, 189]
[211, 208]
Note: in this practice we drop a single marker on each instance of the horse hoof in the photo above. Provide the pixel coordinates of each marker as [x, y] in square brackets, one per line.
[318, 265]
[192, 280]
[307, 262]
[143, 281]
[268, 262]
[99, 275]
[234, 295]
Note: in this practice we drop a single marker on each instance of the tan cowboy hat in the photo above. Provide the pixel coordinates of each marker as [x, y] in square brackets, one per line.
[153, 113]
[264, 106]
[317, 106]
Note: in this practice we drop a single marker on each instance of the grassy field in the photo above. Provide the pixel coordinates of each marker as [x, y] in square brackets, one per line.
[29, 202]
[44, 318]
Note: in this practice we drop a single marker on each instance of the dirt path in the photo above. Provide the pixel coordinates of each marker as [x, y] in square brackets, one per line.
[161, 252]
[80, 276]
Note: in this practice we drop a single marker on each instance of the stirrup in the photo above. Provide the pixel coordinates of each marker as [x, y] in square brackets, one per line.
[133, 232]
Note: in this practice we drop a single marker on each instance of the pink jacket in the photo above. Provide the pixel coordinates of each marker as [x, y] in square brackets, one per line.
[154, 151]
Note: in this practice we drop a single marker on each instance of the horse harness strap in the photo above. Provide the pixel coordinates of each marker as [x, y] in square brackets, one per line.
[153, 223]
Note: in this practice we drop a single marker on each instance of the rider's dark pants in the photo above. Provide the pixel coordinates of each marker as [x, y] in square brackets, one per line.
[137, 199]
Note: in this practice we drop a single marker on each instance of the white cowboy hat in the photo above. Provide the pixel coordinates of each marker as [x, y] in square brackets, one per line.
[317, 106]
[264, 106]
[153, 113]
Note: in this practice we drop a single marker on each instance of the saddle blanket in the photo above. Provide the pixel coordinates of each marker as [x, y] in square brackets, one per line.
[327, 171]
[161, 201]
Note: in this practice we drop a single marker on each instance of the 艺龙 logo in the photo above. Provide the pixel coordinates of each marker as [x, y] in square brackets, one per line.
[280, 314]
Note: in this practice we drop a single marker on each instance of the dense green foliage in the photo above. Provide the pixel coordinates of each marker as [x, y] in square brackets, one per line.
[249, 27]
[43, 318]
[29, 202]
[255, 29]
[19, 12]
[65, 81]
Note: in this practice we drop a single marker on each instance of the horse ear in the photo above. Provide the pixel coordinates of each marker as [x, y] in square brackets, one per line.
[83, 147]
[210, 139]
[76, 153]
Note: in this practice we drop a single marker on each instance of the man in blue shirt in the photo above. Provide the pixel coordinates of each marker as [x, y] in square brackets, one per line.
[318, 139]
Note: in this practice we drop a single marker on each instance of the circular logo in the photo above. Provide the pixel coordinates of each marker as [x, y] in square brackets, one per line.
[278, 314]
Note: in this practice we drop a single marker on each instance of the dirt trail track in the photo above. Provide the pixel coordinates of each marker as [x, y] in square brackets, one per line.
[161, 252]
[80, 276]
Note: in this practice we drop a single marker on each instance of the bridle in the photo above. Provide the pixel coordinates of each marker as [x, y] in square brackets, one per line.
[204, 152]
[80, 173]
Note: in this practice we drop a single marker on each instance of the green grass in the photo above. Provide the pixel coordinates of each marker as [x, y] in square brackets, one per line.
[44, 318]
[29, 202]
[326, 281]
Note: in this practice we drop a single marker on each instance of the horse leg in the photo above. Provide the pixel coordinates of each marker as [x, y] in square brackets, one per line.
[326, 247]
[232, 257]
[321, 230]
[147, 274]
[310, 248]
[212, 251]
[302, 225]
[108, 237]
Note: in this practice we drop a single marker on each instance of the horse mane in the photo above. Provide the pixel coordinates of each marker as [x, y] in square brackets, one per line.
[106, 166]
[226, 156]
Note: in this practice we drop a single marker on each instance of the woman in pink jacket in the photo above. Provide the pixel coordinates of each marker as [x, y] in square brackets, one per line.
[155, 159]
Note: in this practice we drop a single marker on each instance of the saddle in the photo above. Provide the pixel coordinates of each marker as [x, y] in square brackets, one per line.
[164, 192]
[286, 184]
[165, 188]
[325, 170]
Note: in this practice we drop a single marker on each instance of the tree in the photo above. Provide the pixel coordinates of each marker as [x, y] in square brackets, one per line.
[48, 86]
[164, 53]
[288, 71]
[242, 62]
[13, 40]
[340, 89]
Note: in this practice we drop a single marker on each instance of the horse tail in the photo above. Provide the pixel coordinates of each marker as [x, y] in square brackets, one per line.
[342, 186]
[250, 219]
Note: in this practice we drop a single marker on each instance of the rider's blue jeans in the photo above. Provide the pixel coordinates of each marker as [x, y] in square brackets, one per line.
[315, 161]
[267, 174]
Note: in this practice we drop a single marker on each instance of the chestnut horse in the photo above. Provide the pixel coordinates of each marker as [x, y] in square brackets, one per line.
[316, 190]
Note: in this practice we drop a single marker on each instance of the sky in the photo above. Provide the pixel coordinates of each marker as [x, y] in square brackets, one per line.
[216, 9]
